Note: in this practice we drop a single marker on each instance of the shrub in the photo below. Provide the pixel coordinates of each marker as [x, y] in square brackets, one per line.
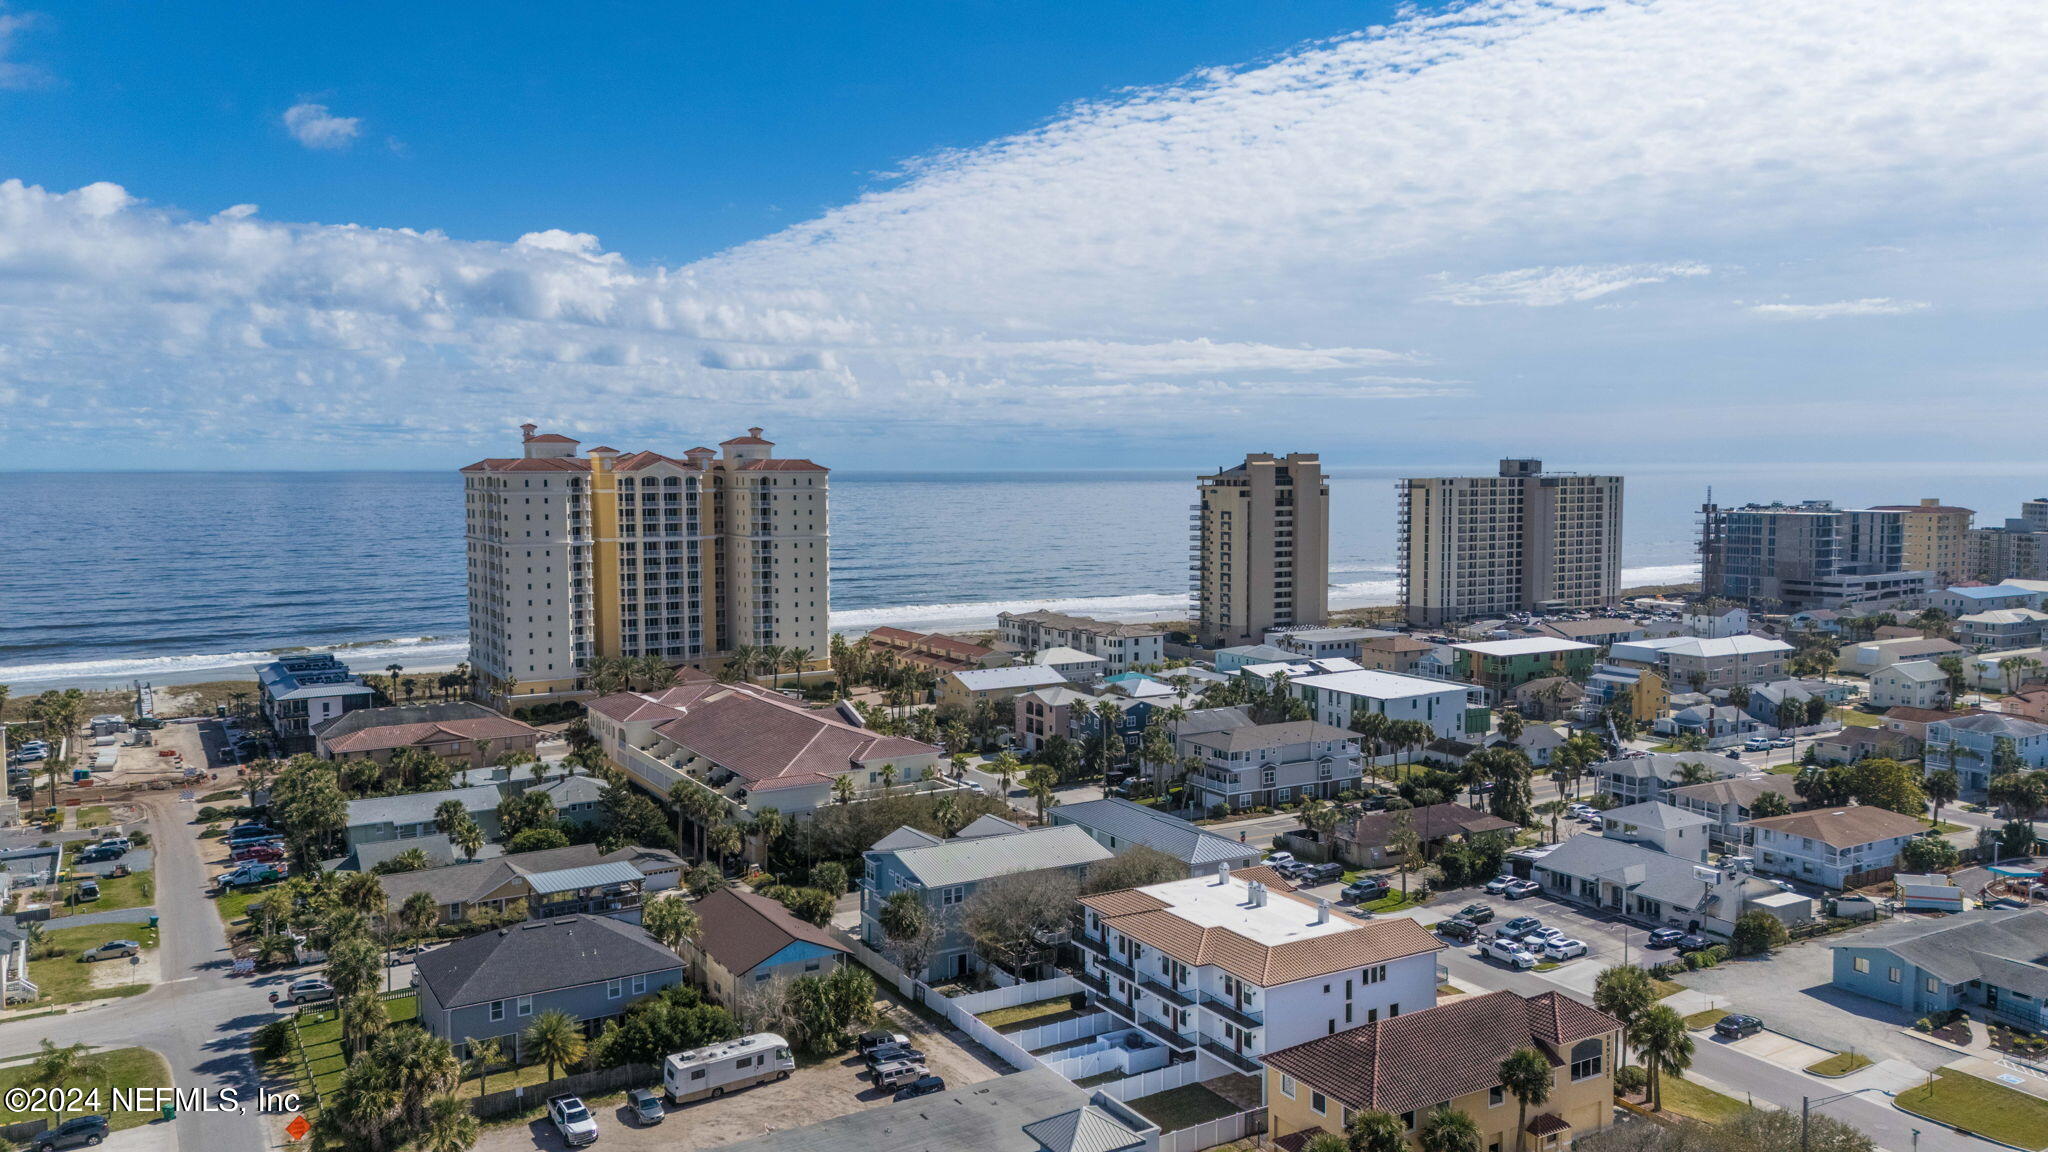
[272, 1040]
[1629, 1079]
[1923, 1024]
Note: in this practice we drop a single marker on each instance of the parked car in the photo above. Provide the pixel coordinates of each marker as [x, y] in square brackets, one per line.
[100, 853]
[87, 890]
[922, 1086]
[869, 1041]
[1542, 936]
[1519, 927]
[1365, 888]
[646, 1105]
[577, 1126]
[1757, 744]
[1784, 742]
[898, 1073]
[1505, 951]
[1693, 942]
[1499, 884]
[1457, 928]
[309, 990]
[261, 852]
[1517, 889]
[111, 950]
[1477, 913]
[77, 1132]
[1735, 1026]
[250, 876]
[1280, 860]
[894, 1053]
[1563, 948]
[1321, 873]
[1665, 937]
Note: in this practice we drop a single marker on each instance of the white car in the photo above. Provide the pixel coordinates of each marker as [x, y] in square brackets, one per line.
[1499, 884]
[1563, 949]
[1280, 860]
[1507, 952]
[573, 1120]
[308, 990]
[1543, 936]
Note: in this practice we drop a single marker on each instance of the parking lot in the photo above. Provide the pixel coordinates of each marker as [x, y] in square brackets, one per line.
[812, 1093]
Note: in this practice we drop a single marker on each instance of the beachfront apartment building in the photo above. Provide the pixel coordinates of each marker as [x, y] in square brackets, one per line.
[1807, 555]
[625, 555]
[1524, 540]
[298, 694]
[1260, 554]
[1122, 646]
[1934, 537]
[1234, 965]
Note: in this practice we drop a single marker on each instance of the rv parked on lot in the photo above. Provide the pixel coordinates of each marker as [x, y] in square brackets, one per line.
[721, 1068]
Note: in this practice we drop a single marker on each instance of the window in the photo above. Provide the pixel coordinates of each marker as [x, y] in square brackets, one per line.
[1933, 984]
[526, 1005]
[639, 984]
[613, 989]
[1586, 1058]
[497, 1009]
[1496, 1096]
[1895, 974]
[1317, 1101]
[1287, 1086]
[1862, 964]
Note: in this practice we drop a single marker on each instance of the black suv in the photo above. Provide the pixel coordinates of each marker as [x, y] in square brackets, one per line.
[78, 1131]
[1476, 914]
[1457, 928]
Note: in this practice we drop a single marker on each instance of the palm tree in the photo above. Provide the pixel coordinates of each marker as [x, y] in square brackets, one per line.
[1372, 728]
[722, 841]
[1447, 1130]
[418, 914]
[1039, 783]
[554, 1040]
[1371, 1130]
[842, 789]
[1660, 1037]
[57, 1065]
[1526, 1076]
[1509, 724]
[468, 837]
[1623, 992]
[1942, 787]
[1952, 667]
[672, 922]
[392, 685]
[450, 1127]
[888, 778]
[740, 665]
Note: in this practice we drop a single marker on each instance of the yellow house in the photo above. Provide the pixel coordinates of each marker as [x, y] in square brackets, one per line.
[1451, 1054]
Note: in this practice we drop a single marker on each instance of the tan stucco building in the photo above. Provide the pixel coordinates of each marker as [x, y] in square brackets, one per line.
[1261, 550]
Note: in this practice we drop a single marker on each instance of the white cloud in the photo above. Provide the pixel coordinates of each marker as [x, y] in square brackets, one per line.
[1547, 287]
[315, 127]
[1870, 306]
[1233, 257]
[15, 74]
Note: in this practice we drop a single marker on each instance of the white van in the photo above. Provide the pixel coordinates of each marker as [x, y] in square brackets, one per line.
[720, 1068]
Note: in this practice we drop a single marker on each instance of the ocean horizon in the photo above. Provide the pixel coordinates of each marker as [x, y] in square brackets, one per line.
[174, 577]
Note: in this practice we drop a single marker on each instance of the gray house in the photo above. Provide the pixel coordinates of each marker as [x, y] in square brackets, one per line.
[410, 817]
[491, 986]
[1635, 779]
[946, 874]
[1118, 824]
[1984, 960]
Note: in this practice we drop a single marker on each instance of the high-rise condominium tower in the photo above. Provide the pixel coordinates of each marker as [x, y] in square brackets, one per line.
[1261, 550]
[1806, 555]
[629, 555]
[1523, 540]
[1937, 538]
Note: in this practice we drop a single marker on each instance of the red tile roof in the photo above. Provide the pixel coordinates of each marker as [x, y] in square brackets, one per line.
[768, 740]
[1432, 1057]
[747, 440]
[521, 464]
[781, 465]
[550, 438]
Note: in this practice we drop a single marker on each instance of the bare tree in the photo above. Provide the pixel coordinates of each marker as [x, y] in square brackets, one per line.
[1008, 916]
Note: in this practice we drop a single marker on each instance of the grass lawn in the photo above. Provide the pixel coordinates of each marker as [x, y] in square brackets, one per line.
[319, 1038]
[1449, 990]
[123, 1068]
[95, 816]
[504, 1080]
[1549, 966]
[1666, 987]
[1689, 1099]
[223, 794]
[1394, 901]
[1855, 716]
[1791, 768]
[1840, 1064]
[64, 980]
[133, 891]
[234, 906]
[1183, 1107]
[1026, 1015]
[1705, 1018]
[1948, 829]
[1975, 1105]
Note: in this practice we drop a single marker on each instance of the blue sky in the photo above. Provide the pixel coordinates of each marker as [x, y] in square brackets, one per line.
[1023, 235]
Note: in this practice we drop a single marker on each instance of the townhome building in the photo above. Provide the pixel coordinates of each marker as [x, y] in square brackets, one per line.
[933, 650]
[1701, 664]
[1640, 690]
[961, 690]
[1326, 641]
[1236, 964]
[1727, 804]
[1400, 654]
[1833, 847]
[2002, 628]
[1501, 666]
[945, 875]
[1972, 746]
[1122, 646]
[1262, 765]
[1446, 706]
[1635, 779]
[1909, 684]
[1867, 657]
[1639, 883]
[1043, 713]
[1450, 1057]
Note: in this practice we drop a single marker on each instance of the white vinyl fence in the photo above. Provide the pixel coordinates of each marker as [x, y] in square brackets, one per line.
[1159, 1080]
[1066, 1031]
[1018, 994]
[1215, 1132]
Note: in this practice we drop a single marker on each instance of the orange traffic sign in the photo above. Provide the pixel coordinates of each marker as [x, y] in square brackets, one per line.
[298, 1128]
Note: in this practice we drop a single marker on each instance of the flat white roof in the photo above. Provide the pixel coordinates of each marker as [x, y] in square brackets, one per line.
[1065, 655]
[1709, 647]
[1378, 685]
[1200, 900]
[1012, 676]
[1524, 646]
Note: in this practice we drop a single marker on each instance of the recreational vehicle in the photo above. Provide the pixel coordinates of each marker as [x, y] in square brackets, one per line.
[728, 1067]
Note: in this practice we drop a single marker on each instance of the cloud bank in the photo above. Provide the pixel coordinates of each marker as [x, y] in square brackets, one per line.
[1474, 227]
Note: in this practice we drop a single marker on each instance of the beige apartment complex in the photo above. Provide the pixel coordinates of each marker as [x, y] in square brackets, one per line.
[1937, 538]
[626, 555]
[1526, 539]
[1260, 557]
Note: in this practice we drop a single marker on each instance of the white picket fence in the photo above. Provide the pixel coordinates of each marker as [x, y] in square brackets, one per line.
[1016, 994]
[1224, 1131]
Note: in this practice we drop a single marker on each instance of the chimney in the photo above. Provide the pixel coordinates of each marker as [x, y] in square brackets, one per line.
[527, 431]
[754, 432]
[1255, 894]
[1322, 910]
[1223, 874]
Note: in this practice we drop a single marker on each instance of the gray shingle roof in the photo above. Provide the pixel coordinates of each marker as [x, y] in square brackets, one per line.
[1129, 823]
[1644, 871]
[986, 857]
[1256, 737]
[2004, 947]
[1741, 790]
[1996, 724]
[1652, 814]
[418, 807]
[540, 956]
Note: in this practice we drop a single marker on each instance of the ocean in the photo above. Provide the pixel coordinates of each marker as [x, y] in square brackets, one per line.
[182, 576]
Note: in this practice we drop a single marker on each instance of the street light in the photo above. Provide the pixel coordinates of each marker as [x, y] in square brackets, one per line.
[1808, 1103]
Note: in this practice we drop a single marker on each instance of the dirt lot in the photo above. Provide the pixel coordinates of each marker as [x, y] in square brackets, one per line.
[812, 1093]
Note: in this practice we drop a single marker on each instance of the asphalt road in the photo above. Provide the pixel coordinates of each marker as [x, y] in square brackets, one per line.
[200, 1018]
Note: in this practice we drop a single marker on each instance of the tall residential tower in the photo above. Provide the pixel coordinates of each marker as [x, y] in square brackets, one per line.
[1526, 539]
[609, 554]
[1806, 555]
[1260, 558]
[1936, 538]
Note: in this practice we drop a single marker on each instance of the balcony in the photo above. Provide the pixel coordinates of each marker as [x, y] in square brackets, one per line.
[1130, 1015]
[1233, 1013]
[1157, 987]
[1238, 1060]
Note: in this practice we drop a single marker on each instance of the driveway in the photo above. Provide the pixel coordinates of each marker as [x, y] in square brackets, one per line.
[1777, 1048]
